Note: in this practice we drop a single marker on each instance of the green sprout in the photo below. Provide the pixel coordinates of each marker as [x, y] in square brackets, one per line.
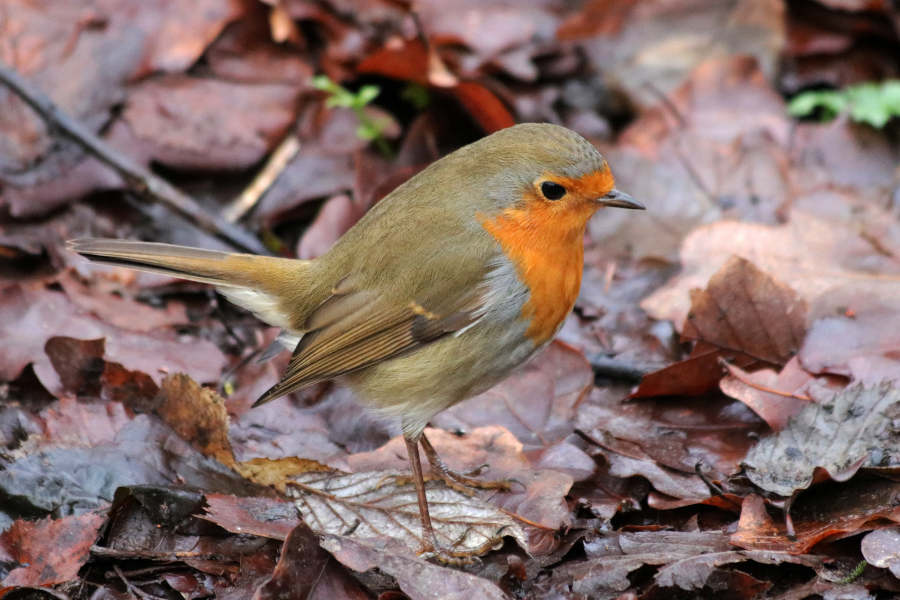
[872, 103]
[369, 129]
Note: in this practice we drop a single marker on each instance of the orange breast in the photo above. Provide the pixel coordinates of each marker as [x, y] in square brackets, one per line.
[545, 242]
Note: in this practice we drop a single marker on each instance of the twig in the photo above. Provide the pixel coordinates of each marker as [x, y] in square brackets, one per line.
[438, 73]
[132, 589]
[138, 178]
[611, 368]
[277, 162]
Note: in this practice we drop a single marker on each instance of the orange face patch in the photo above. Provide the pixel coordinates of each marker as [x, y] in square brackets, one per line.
[544, 240]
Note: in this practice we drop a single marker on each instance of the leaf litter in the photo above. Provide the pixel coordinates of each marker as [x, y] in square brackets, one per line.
[781, 235]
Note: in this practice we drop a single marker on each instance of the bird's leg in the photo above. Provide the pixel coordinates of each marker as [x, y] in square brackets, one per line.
[452, 478]
[429, 540]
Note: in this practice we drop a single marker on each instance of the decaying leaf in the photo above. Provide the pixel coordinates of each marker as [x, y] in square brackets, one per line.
[854, 428]
[383, 505]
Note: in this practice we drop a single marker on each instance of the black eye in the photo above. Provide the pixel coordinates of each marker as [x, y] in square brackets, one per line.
[552, 190]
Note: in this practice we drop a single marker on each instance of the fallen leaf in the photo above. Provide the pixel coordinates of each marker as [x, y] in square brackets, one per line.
[868, 350]
[70, 477]
[204, 123]
[839, 434]
[658, 44]
[267, 517]
[419, 579]
[744, 309]
[49, 551]
[817, 256]
[881, 549]
[709, 433]
[537, 494]
[774, 396]
[198, 415]
[31, 314]
[835, 511]
[687, 560]
[743, 315]
[383, 505]
[304, 570]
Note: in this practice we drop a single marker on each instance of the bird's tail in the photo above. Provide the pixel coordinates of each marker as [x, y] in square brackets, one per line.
[264, 285]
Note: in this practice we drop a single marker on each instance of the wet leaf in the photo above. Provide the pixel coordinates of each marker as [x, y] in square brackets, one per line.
[835, 511]
[838, 434]
[882, 549]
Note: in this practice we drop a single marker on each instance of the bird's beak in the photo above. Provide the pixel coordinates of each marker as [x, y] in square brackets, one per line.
[620, 200]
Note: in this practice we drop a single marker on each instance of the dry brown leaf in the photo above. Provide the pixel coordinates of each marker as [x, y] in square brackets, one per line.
[383, 505]
[30, 314]
[839, 434]
[203, 123]
[814, 256]
[744, 309]
[743, 315]
[304, 570]
[198, 415]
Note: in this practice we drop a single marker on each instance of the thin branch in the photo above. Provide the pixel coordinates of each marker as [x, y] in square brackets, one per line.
[138, 178]
[611, 368]
[251, 195]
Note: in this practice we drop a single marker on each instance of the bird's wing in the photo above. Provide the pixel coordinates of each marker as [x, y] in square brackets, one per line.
[356, 328]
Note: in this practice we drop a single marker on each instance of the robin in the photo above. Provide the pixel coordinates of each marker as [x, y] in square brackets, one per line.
[444, 287]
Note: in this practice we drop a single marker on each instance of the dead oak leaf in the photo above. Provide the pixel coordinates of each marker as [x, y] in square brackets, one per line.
[383, 505]
[851, 429]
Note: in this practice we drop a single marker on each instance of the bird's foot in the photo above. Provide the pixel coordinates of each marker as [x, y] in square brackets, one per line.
[461, 482]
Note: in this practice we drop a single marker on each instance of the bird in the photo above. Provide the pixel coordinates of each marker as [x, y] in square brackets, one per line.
[437, 293]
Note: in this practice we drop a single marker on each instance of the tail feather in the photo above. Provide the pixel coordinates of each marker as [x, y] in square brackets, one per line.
[263, 285]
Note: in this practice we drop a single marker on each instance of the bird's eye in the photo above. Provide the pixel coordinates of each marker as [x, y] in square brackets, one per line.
[552, 190]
